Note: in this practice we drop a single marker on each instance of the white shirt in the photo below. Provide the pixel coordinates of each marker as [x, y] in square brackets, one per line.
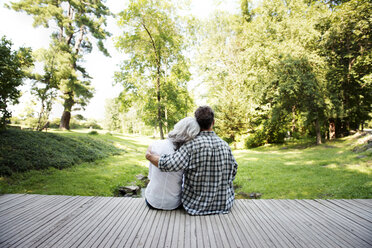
[165, 188]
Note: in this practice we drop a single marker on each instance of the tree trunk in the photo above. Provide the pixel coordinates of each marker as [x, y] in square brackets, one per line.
[159, 105]
[318, 134]
[66, 116]
[332, 129]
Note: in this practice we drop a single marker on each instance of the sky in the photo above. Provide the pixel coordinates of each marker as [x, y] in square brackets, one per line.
[17, 26]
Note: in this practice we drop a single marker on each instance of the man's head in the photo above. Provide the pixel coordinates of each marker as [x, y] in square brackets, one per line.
[205, 117]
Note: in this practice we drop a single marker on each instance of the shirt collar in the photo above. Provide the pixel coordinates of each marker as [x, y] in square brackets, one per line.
[207, 133]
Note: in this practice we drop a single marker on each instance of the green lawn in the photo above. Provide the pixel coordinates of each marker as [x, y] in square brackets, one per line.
[299, 172]
[291, 171]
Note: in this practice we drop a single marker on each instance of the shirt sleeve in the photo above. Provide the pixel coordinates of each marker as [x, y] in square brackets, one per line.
[235, 165]
[176, 161]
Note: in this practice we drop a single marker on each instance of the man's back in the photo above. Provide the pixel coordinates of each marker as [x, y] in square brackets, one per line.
[209, 169]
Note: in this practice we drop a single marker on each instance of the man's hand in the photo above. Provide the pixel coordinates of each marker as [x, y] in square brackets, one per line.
[154, 159]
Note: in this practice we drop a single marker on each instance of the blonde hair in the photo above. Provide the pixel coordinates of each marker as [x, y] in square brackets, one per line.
[185, 130]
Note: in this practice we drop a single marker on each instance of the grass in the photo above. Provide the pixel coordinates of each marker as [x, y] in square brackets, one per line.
[293, 171]
[99, 177]
[22, 151]
[303, 171]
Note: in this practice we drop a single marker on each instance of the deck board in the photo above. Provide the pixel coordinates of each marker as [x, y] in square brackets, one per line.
[77, 221]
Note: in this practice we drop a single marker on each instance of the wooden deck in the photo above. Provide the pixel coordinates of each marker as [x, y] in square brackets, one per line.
[76, 221]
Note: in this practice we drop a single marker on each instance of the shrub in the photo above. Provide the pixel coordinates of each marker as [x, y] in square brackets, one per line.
[94, 132]
[27, 150]
[256, 139]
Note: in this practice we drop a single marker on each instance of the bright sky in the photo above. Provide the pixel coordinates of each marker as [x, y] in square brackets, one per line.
[17, 27]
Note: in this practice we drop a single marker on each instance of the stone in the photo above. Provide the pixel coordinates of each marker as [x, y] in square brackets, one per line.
[129, 190]
[361, 156]
[255, 195]
[141, 177]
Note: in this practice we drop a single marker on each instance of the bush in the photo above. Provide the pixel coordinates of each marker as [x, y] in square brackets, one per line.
[27, 150]
[256, 139]
[94, 132]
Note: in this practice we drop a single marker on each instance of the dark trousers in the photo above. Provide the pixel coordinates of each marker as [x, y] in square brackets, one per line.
[151, 207]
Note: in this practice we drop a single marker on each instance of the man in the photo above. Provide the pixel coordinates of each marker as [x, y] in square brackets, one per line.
[209, 168]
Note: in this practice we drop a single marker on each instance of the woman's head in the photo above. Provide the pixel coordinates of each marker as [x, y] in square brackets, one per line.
[185, 130]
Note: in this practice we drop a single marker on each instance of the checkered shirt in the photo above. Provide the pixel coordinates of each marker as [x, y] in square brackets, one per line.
[209, 170]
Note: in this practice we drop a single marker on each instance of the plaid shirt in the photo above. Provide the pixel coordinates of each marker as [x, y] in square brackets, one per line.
[209, 171]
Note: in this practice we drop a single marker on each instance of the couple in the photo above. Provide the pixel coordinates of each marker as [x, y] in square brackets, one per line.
[193, 167]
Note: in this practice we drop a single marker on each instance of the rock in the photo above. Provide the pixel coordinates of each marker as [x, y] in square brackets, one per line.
[129, 190]
[141, 177]
[255, 195]
[283, 148]
[361, 156]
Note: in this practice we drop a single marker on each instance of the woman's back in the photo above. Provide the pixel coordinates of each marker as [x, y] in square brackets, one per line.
[165, 188]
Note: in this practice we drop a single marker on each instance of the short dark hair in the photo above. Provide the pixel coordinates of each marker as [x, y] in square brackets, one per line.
[204, 116]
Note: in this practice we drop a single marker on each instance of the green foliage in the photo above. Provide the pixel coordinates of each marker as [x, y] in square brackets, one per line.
[346, 46]
[156, 72]
[255, 139]
[89, 178]
[27, 150]
[13, 66]
[112, 115]
[78, 24]
[94, 132]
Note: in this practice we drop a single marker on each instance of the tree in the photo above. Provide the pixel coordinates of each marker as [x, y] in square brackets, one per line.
[78, 22]
[263, 69]
[13, 66]
[156, 68]
[45, 85]
[112, 114]
[347, 48]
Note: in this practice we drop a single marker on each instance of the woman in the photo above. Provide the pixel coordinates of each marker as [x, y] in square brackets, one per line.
[165, 188]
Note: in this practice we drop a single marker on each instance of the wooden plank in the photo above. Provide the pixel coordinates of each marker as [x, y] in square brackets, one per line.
[219, 231]
[346, 224]
[20, 203]
[366, 202]
[276, 221]
[326, 224]
[156, 230]
[26, 218]
[204, 231]
[192, 230]
[50, 219]
[7, 198]
[124, 229]
[199, 232]
[181, 233]
[346, 216]
[63, 227]
[353, 208]
[68, 221]
[245, 236]
[301, 225]
[257, 240]
[133, 233]
[265, 222]
[113, 219]
[358, 205]
[266, 235]
[169, 235]
[90, 233]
